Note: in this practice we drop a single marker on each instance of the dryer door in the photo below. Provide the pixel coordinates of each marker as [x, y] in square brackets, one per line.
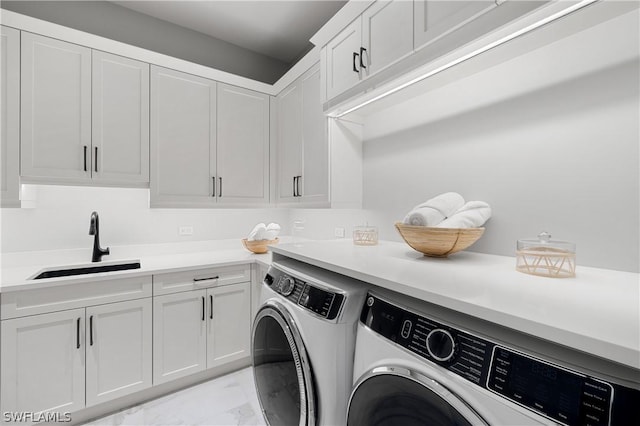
[281, 369]
[389, 396]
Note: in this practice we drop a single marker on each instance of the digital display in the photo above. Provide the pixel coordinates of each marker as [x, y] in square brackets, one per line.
[557, 393]
[384, 319]
[318, 300]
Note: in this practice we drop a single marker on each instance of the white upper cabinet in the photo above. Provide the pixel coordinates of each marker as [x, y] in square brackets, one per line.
[387, 34]
[437, 18]
[10, 124]
[85, 115]
[120, 127]
[183, 139]
[392, 38]
[343, 59]
[209, 142]
[313, 183]
[303, 154]
[56, 109]
[289, 155]
[379, 37]
[242, 146]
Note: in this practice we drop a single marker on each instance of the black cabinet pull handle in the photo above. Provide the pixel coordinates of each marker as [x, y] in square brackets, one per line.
[91, 330]
[362, 52]
[213, 178]
[202, 308]
[95, 166]
[78, 333]
[195, 280]
[298, 186]
[220, 189]
[355, 56]
[294, 186]
[85, 158]
[211, 311]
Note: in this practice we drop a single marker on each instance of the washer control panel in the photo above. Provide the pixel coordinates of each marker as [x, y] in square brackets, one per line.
[564, 395]
[321, 302]
[560, 394]
[464, 354]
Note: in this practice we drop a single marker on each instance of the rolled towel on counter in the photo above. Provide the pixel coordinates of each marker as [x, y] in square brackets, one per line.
[435, 210]
[272, 231]
[471, 215]
[258, 232]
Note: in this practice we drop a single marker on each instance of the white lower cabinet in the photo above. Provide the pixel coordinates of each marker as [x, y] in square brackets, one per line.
[118, 343]
[86, 355]
[42, 362]
[228, 330]
[179, 335]
[48, 360]
[199, 329]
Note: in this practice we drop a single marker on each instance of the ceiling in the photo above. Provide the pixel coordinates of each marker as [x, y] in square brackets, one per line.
[278, 29]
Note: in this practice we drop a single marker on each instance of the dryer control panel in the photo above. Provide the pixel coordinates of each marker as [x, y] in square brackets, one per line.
[311, 297]
[563, 395]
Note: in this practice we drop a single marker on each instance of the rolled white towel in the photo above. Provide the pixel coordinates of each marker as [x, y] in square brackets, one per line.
[472, 215]
[272, 231]
[435, 210]
[424, 216]
[258, 232]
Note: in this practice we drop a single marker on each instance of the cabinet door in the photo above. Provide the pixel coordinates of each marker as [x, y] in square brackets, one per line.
[314, 185]
[229, 329]
[183, 139]
[343, 69]
[242, 146]
[118, 342]
[120, 125]
[42, 362]
[436, 18]
[179, 335]
[10, 110]
[387, 34]
[289, 142]
[56, 108]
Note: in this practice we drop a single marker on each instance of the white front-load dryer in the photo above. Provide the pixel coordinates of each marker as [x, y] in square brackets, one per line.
[303, 343]
[421, 364]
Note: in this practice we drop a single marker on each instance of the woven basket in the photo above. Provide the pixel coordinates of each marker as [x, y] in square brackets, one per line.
[259, 246]
[438, 242]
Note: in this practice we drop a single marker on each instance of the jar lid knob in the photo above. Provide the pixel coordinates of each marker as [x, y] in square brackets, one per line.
[544, 236]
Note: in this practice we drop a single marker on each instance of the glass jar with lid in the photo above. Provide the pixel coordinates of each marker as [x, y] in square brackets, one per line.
[546, 257]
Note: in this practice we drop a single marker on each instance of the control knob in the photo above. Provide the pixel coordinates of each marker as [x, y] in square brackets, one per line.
[304, 299]
[287, 286]
[441, 345]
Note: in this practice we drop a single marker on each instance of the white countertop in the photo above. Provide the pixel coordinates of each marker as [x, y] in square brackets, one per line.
[597, 312]
[18, 267]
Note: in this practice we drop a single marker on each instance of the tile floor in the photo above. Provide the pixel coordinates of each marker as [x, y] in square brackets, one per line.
[227, 400]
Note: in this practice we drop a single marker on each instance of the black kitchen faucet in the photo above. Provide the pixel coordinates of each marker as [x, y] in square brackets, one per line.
[94, 229]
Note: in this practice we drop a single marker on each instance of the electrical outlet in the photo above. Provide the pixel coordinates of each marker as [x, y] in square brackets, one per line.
[339, 232]
[185, 230]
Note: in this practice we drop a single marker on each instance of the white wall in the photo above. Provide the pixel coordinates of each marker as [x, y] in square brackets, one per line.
[561, 157]
[60, 220]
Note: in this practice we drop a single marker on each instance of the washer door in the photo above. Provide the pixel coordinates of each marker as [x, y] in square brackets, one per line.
[281, 369]
[389, 396]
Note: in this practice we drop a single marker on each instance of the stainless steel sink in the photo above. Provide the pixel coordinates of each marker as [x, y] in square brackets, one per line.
[92, 268]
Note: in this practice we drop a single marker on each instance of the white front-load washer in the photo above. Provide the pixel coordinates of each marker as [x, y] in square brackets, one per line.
[420, 364]
[303, 343]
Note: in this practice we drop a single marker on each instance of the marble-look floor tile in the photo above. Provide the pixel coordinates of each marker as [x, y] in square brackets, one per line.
[224, 401]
